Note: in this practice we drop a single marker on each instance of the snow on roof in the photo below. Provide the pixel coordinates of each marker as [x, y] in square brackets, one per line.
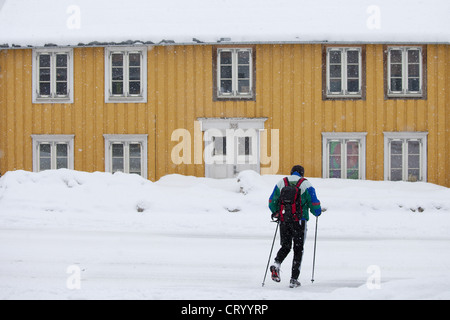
[96, 22]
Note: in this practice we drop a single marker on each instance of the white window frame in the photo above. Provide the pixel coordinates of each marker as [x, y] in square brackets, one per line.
[234, 77]
[344, 66]
[405, 92]
[53, 97]
[126, 97]
[405, 137]
[53, 140]
[126, 139]
[360, 137]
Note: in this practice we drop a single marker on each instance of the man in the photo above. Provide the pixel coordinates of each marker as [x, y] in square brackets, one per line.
[292, 218]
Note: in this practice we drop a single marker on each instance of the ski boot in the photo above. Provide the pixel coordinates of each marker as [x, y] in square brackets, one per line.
[275, 273]
[294, 283]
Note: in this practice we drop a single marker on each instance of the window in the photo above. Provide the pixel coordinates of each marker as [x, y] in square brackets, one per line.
[344, 155]
[235, 73]
[220, 146]
[405, 156]
[126, 153]
[405, 72]
[53, 76]
[344, 72]
[126, 74]
[52, 152]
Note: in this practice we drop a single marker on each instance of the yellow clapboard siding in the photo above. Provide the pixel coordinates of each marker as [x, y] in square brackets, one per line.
[180, 90]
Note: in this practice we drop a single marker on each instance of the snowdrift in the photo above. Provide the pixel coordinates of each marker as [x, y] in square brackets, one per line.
[66, 198]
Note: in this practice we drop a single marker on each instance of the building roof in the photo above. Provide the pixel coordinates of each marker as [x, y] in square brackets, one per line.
[98, 22]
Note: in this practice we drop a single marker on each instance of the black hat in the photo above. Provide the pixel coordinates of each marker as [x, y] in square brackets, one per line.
[298, 169]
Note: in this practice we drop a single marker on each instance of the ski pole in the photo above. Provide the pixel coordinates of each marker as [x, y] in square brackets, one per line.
[314, 257]
[270, 255]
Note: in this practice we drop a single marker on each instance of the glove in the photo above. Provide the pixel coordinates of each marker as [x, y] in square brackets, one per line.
[275, 216]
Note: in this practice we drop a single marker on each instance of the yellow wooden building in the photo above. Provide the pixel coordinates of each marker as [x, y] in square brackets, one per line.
[344, 109]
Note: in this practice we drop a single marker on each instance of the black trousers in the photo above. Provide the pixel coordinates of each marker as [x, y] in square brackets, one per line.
[292, 232]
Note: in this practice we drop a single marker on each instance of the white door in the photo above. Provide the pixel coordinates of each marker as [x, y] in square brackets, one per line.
[231, 146]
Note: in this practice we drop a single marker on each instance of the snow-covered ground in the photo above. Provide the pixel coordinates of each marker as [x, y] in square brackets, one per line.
[75, 235]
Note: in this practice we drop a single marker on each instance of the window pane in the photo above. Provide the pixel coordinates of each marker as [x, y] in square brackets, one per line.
[117, 157]
[353, 71]
[44, 89]
[396, 56]
[45, 157]
[335, 85]
[335, 159]
[117, 150]
[44, 61]
[396, 70]
[244, 146]
[45, 164]
[135, 73]
[226, 86]
[243, 72]
[225, 58]
[414, 175]
[352, 56]
[61, 60]
[135, 165]
[61, 88]
[413, 70]
[413, 84]
[135, 150]
[117, 59]
[414, 161]
[135, 87]
[62, 163]
[117, 165]
[335, 56]
[135, 59]
[44, 74]
[413, 56]
[396, 175]
[352, 160]
[396, 84]
[117, 74]
[396, 147]
[61, 74]
[244, 86]
[226, 72]
[44, 150]
[353, 85]
[413, 147]
[117, 88]
[243, 57]
[220, 146]
[61, 150]
[396, 160]
[335, 71]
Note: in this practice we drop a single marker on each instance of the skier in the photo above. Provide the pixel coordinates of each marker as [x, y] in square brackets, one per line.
[289, 203]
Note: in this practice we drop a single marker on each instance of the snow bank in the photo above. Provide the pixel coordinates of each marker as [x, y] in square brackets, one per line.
[103, 200]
